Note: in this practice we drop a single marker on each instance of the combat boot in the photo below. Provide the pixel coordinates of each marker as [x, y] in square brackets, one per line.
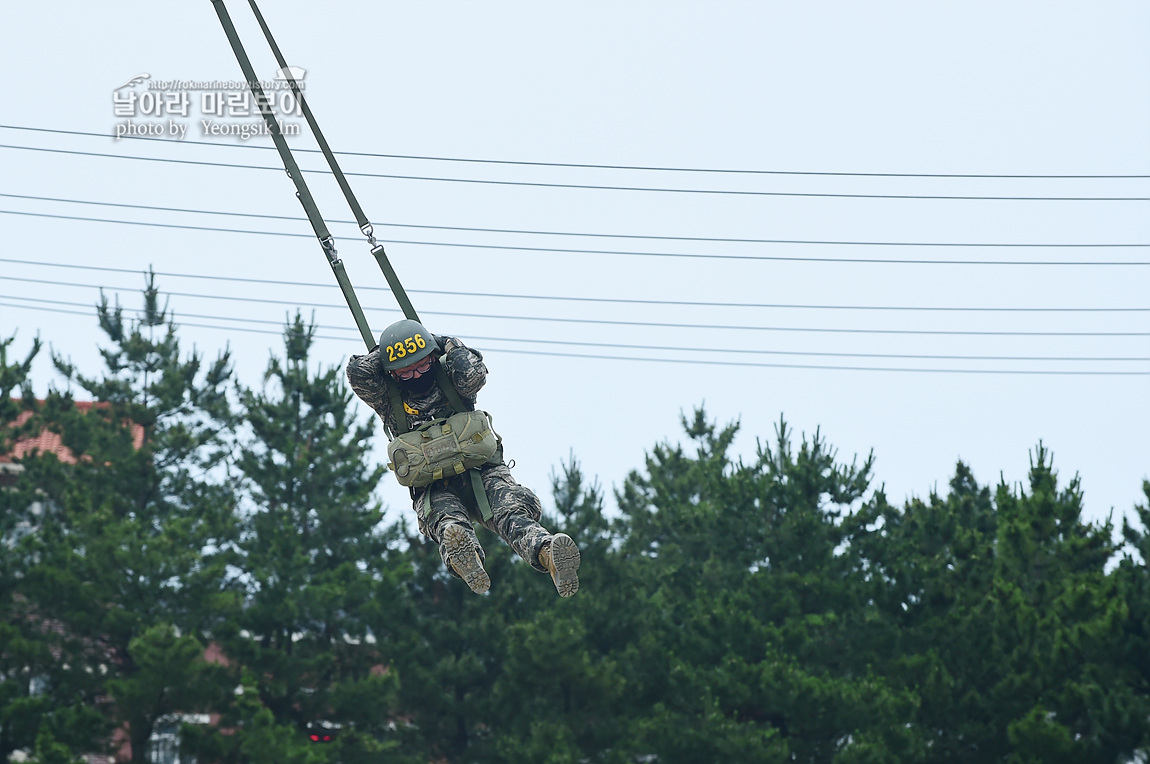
[463, 556]
[561, 558]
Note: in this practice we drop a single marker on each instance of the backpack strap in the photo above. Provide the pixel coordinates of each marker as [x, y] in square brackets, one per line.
[480, 495]
[454, 399]
[395, 397]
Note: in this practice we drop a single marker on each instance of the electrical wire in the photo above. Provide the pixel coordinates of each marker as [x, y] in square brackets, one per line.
[657, 254]
[594, 187]
[643, 168]
[744, 327]
[472, 229]
[692, 361]
[625, 346]
[620, 253]
[506, 296]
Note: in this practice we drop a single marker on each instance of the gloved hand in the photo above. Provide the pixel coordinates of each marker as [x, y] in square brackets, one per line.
[443, 342]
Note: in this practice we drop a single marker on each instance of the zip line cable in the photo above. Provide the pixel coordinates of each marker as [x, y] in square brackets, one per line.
[643, 168]
[621, 253]
[504, 296]
[472, 229]
[625, 346]
[691, 361]
[594, 187]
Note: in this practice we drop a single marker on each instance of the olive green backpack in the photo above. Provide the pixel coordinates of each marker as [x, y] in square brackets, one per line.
[441, 448]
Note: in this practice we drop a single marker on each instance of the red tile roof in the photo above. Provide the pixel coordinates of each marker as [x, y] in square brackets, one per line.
[49, 442]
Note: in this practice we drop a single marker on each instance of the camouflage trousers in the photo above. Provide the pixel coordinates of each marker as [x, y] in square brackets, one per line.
[515, 511]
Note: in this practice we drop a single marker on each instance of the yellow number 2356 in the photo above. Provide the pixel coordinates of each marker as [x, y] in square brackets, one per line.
[405, 347]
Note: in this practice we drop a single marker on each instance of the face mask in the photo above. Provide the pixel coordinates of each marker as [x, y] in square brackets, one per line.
[420, 384]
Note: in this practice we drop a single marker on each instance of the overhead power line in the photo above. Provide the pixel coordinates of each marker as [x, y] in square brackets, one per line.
[596, 187]
[781, 329]
[643, 168]
[571, 250]
[472, 229]
[511, 296]
[691, 361]
[917, 356]
[179, 315]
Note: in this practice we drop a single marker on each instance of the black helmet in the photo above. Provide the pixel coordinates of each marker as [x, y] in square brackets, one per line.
[404, 343]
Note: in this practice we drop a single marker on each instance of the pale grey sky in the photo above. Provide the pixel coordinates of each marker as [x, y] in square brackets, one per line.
[961, 88]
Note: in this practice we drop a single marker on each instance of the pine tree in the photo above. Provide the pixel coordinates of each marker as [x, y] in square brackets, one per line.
[1059, 620]
[1134, 576]
[315, 562]
[133, 546]
[560, 693]
[448, 647]
[746, 599]
[998, 613]
[13, 377]
[20, 712]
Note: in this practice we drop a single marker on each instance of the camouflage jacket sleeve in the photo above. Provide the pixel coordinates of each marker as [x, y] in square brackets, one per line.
[464, 367]
[365, 374]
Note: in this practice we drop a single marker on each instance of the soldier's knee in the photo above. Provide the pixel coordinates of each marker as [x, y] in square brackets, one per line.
[507, 496]
[517, 499]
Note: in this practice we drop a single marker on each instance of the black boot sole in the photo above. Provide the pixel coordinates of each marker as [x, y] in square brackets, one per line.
[463, 556]
[565, 557]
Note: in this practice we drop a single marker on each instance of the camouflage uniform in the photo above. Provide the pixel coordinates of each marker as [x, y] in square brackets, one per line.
[515, 509]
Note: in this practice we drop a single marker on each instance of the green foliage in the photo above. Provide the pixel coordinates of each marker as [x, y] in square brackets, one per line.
[769, 609]
[131, 539]
[14, 376]
[50, 751]
[1000, 614]
[18, 712]
[315, 564]
[170, 677]
[1134, 652]
[750, 597]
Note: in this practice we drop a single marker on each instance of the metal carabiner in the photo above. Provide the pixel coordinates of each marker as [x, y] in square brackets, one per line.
[328, 245]
[369, 232]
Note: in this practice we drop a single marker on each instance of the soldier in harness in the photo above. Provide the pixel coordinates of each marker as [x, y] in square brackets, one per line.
[424, 387]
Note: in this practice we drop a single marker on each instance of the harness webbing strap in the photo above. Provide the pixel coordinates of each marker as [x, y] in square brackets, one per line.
[323, 145]
[453, 398]
[480, 495]
[393, 282]
[325, 238]
[349, 297]
[360, 218]
[264, 105]
[302, 193]
[395, 397]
